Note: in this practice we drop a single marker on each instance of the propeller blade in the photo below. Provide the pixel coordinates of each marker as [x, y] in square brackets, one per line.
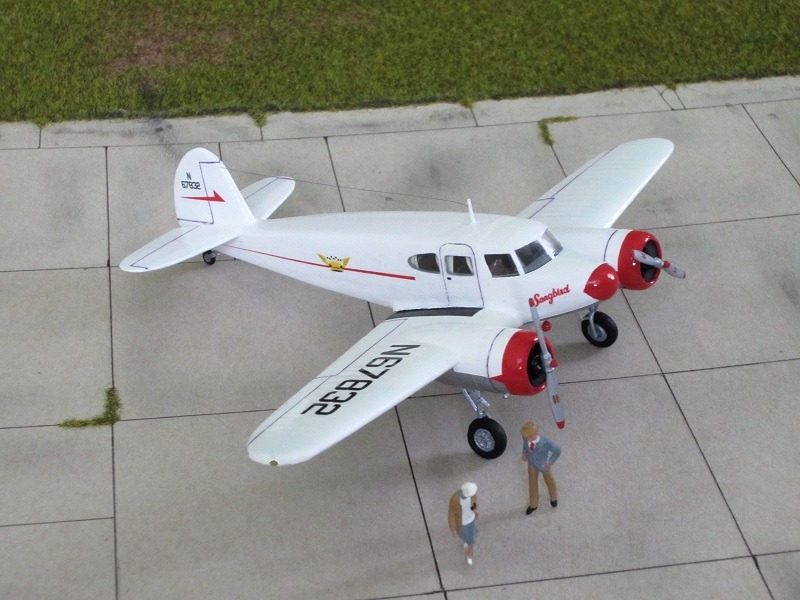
[554, 395]
[674, 270]
[553, 391]
[664, 265]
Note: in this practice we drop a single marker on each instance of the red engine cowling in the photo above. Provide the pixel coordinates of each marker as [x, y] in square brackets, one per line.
[504, 361]
[634, 275]
[522, 371]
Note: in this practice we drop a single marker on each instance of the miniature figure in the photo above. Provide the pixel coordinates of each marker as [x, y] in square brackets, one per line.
[462, 515]
[540, 453]
[434, 270]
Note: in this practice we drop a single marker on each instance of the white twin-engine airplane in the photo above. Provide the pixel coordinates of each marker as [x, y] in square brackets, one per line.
[462, 287]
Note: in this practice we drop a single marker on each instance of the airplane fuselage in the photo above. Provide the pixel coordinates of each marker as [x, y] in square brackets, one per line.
[426, 260]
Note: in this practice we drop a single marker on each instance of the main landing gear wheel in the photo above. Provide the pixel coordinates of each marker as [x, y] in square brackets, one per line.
[605, 330]
[487, 438]
[210, 257]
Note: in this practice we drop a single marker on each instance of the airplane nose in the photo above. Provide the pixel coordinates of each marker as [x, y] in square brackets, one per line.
[603, 283]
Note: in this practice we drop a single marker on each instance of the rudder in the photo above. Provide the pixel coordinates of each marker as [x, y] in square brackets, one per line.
[206, 193]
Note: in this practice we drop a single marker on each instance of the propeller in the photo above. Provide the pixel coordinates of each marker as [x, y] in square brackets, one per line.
[549, 364]
[664, 265]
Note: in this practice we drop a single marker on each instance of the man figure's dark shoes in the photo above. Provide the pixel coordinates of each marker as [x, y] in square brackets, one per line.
[553, 503]
[530, 510]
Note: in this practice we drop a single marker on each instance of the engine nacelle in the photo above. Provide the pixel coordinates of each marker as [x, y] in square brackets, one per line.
[510, 362]
[634, 275]
[615, 247]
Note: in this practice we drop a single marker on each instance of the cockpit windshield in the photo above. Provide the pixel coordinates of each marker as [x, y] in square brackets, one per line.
[539, 253]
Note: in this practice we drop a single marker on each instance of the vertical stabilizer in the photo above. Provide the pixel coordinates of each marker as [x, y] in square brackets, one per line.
[205, 192]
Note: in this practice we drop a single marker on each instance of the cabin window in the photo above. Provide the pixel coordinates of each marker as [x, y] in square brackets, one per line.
[459, 265]
[501, 265]
[428, 262]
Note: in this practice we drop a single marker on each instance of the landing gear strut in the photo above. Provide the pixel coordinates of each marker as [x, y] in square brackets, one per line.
[486, 437]
[598, 328]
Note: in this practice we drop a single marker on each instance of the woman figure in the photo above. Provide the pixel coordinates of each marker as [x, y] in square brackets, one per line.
[462, 514]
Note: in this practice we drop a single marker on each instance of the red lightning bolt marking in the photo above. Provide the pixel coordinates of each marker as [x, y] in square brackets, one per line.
[215, 198]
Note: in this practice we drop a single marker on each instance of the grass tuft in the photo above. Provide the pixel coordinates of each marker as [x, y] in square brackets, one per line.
[544, 127]
[109, 416]
[259, 117]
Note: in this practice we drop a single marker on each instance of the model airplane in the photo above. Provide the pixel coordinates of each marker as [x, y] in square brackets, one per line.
[463, 287]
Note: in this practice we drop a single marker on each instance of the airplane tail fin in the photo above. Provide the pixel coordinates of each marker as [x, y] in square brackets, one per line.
[205, 192]
[210, 209]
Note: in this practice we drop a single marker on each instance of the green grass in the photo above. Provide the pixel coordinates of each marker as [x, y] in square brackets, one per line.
[109, 416]
[68, 59]
[544, 127]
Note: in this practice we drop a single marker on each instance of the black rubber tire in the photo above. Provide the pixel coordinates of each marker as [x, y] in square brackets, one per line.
[491, 438]
[605, 325]
[209, 258]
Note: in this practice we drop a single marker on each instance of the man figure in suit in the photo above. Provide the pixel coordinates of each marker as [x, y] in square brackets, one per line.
[540, 453]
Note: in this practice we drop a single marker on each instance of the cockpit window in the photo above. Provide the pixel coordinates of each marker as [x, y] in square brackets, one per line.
[428, 262]
[550, 243]
[501, 265]
[532, 256]
[459, 265]
[539, 253]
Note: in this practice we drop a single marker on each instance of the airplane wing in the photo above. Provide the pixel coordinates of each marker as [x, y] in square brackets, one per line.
[596, 194]
[381, 370]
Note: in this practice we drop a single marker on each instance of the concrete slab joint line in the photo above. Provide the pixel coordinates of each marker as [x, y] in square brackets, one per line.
[670, 97]
[202, 354]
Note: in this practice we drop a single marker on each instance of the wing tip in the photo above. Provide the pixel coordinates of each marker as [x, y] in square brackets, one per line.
[271, 456]
[656, 142]
[262, 458]
[130, 267]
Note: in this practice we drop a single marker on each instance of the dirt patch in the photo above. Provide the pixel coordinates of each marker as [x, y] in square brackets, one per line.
[163, 40]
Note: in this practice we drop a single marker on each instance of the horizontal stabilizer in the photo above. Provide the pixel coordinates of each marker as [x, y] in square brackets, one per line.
[265, 196]
[182, 243]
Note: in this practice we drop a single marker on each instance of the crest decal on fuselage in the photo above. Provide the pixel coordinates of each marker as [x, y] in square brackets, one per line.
[336, 264]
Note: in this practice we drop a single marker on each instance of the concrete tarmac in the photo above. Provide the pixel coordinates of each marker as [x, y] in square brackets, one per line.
[680, 473]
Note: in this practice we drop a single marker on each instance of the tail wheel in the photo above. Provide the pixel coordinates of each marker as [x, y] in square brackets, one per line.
[606, 330]
[209, 257]
[487, 438]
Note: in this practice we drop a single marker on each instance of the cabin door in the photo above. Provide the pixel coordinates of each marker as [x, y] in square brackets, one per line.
[460, 274]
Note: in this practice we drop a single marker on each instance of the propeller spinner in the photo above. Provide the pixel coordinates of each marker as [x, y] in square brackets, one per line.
[549, 366]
